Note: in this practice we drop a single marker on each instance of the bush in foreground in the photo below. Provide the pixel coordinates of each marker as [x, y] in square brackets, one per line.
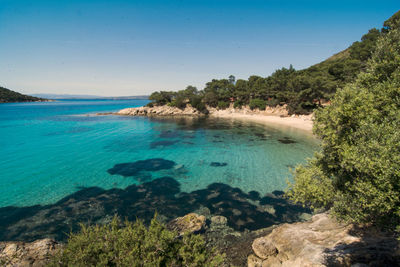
[133, 244]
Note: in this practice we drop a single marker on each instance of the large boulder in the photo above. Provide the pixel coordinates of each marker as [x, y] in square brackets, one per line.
[190, 223]
[27, 254]
[323, 241]
[263, 248]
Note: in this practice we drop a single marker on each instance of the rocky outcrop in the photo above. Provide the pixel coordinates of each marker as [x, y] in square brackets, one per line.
[160, 111]
[276, 111]
[27, 254]
[190, 223]
[323, 241]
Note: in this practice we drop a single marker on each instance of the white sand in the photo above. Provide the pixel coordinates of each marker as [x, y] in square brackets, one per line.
[303, 122]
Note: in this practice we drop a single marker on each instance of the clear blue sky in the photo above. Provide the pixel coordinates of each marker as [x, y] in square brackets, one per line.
[135, 47]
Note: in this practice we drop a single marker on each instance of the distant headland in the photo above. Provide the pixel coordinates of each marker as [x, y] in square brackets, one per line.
[9, 96]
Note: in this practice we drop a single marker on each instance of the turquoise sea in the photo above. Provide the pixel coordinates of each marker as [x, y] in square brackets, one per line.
[62, 164]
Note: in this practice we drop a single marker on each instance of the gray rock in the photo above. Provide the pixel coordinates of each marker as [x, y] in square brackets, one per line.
[190, 223]
[253, 261]
[27, 254]
[323, 241]
[264, 248]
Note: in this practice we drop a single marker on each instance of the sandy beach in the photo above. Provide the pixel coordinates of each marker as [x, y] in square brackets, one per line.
[271, 116]
[302, 122]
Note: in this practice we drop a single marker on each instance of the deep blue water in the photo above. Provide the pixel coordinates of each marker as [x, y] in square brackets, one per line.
[57, 153]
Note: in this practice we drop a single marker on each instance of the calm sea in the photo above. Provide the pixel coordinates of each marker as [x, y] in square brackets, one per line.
[61, 164]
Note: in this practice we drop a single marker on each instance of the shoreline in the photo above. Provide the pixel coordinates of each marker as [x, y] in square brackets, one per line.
[276, 116]
[303, 122]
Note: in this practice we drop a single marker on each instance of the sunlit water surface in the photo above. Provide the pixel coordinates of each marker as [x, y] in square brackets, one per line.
[52, 150]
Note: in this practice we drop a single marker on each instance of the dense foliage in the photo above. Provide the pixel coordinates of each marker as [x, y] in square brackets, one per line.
[7, 95]
[133, 244]
[357, 172]
[301, 90]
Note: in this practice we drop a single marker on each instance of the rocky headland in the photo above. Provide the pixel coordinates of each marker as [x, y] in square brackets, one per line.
[160, 111]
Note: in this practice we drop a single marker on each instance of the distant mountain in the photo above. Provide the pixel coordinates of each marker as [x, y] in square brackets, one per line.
[67, 96]
[7, 96]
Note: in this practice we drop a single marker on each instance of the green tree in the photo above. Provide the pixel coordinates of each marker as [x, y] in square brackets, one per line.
[357, 172]
[162, 97]
[258, 103]
[232, 79]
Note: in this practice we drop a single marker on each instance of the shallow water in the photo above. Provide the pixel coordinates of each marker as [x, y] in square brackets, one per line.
[55, 156]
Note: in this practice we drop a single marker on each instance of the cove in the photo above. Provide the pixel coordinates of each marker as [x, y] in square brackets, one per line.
[58, 162]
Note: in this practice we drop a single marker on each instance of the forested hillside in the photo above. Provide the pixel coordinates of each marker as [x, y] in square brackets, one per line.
[357, 172]
[7, 95]
[302, 90]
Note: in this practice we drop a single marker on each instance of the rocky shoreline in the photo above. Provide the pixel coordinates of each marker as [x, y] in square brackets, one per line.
[166, 110]
[160, 111]
[320, 241]
[270, 116]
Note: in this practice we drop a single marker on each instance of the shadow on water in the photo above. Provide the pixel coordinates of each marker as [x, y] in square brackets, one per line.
[96, 205]
[233, 128]
[137, 167]
[286, 140]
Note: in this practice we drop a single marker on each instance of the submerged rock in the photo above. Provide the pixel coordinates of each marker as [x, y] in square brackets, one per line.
[190, 223]
[35, 253]
[323, 241]
[219, 220]
[287, 140]
[218, 164]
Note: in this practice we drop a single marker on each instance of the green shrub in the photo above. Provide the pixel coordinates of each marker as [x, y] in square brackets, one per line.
[357, 172]
[162, 97]
[273, 102]
[223, 105]
[150, 105]
[296, 106]
[257, 103]
[197, 102]
[237, 104]
[133, 244]
[179, 102]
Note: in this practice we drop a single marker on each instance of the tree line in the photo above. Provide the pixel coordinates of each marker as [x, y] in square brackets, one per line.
[302, 90]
